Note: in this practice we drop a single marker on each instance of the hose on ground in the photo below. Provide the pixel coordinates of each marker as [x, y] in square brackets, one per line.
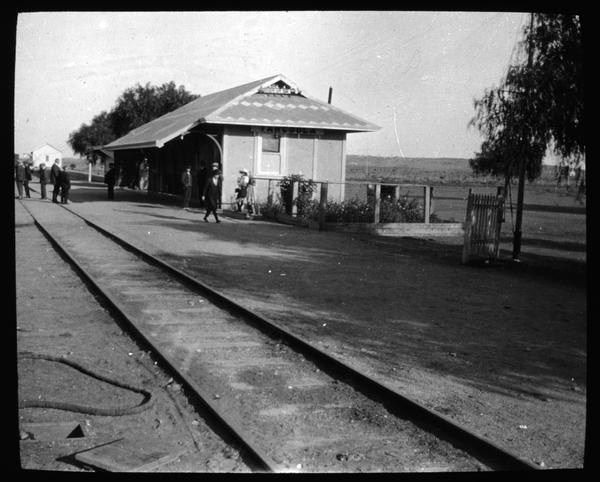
[72, 407]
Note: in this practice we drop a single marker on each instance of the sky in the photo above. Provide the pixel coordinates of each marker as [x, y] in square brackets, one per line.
[414, 74]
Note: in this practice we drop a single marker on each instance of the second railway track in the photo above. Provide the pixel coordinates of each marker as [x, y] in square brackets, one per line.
[291, 405]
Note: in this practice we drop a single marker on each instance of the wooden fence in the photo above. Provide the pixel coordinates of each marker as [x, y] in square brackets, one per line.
[372, 187]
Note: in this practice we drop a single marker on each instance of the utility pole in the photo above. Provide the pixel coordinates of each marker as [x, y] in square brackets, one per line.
[522, 164]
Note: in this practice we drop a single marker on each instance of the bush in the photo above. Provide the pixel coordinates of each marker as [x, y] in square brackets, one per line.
[305, 189]
[402, 210]
[270, 211]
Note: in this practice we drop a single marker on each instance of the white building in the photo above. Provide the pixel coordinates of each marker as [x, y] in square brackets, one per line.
[46, 154]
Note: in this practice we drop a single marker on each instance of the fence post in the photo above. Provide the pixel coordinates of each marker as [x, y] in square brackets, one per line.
[295, 198]
[499, 219]
[397, 192]
[377, 210]
[322, 206]
[427, 206]
[467, 228]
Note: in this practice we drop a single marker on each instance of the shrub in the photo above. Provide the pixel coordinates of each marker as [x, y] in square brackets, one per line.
[305, 189]
[270, 211]
[402, 210]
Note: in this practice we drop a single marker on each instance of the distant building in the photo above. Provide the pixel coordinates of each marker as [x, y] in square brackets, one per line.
[46, 155]
[269, 126]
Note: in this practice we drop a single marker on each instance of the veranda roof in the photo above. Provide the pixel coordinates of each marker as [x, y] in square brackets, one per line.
[252, 104]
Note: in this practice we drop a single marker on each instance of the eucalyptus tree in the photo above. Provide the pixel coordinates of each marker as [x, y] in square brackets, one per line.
[136, 106]
[538, 105]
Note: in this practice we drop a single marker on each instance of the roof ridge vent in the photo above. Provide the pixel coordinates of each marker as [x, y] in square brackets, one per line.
[279, 87]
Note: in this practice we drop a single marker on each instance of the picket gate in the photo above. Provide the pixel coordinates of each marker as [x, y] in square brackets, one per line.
[483, 222]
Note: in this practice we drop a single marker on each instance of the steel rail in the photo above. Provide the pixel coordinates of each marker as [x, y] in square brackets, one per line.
[486, 451]
[260, 459]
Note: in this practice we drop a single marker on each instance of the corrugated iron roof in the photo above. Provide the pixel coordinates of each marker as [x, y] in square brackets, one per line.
[244, 105]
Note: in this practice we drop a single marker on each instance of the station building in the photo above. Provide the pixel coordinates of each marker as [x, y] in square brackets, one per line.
[269, 126]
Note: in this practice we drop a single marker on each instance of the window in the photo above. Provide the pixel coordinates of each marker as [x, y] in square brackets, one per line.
[270, 143]
[270, 154]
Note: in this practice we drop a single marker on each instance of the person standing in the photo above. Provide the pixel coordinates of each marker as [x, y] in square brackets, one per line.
[186, 181]
[55, 180]
[250, 199]
[144, 171]
[28, 178]
[211, 195]
[242, 189]
[110, 179]
[215, 167]
[43, 180]
[20, 177]
[65, 185]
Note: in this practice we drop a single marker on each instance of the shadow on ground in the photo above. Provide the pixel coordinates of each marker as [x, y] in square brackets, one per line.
[400, 303]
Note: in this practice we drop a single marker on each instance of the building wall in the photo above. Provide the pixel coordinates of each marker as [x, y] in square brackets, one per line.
[300, 156]
[238, 153]
[46, 154]
[331, 163]
[319, 157]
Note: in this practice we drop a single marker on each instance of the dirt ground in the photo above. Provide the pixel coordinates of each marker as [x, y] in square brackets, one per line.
[58, 316]
[501, 349]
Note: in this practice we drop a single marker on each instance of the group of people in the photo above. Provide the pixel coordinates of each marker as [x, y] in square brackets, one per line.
[244, 199]
[211, 192]
[59, 178]
[212, 189]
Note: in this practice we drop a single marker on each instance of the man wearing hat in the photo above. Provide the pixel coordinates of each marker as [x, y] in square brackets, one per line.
[55, 180]
[20, 177]
[216, 167]
[43, 180]
[211, 195]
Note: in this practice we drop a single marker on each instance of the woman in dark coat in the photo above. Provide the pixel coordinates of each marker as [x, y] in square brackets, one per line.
[65, 185]
[211, 195]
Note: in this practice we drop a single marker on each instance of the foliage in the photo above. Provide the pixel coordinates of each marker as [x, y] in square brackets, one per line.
[538, 104]
[270, 211]
[401, 211]
[141, 104]
[354, 210]
[305, 189]
[136, 106]
[98, 133]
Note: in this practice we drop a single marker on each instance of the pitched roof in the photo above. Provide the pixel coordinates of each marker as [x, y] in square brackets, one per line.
[47, 145]
[274, 101]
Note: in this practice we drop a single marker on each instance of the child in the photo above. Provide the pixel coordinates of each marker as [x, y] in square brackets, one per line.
[242, 189]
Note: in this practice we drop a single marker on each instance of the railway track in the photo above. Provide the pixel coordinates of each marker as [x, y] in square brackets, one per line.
[291, 405]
